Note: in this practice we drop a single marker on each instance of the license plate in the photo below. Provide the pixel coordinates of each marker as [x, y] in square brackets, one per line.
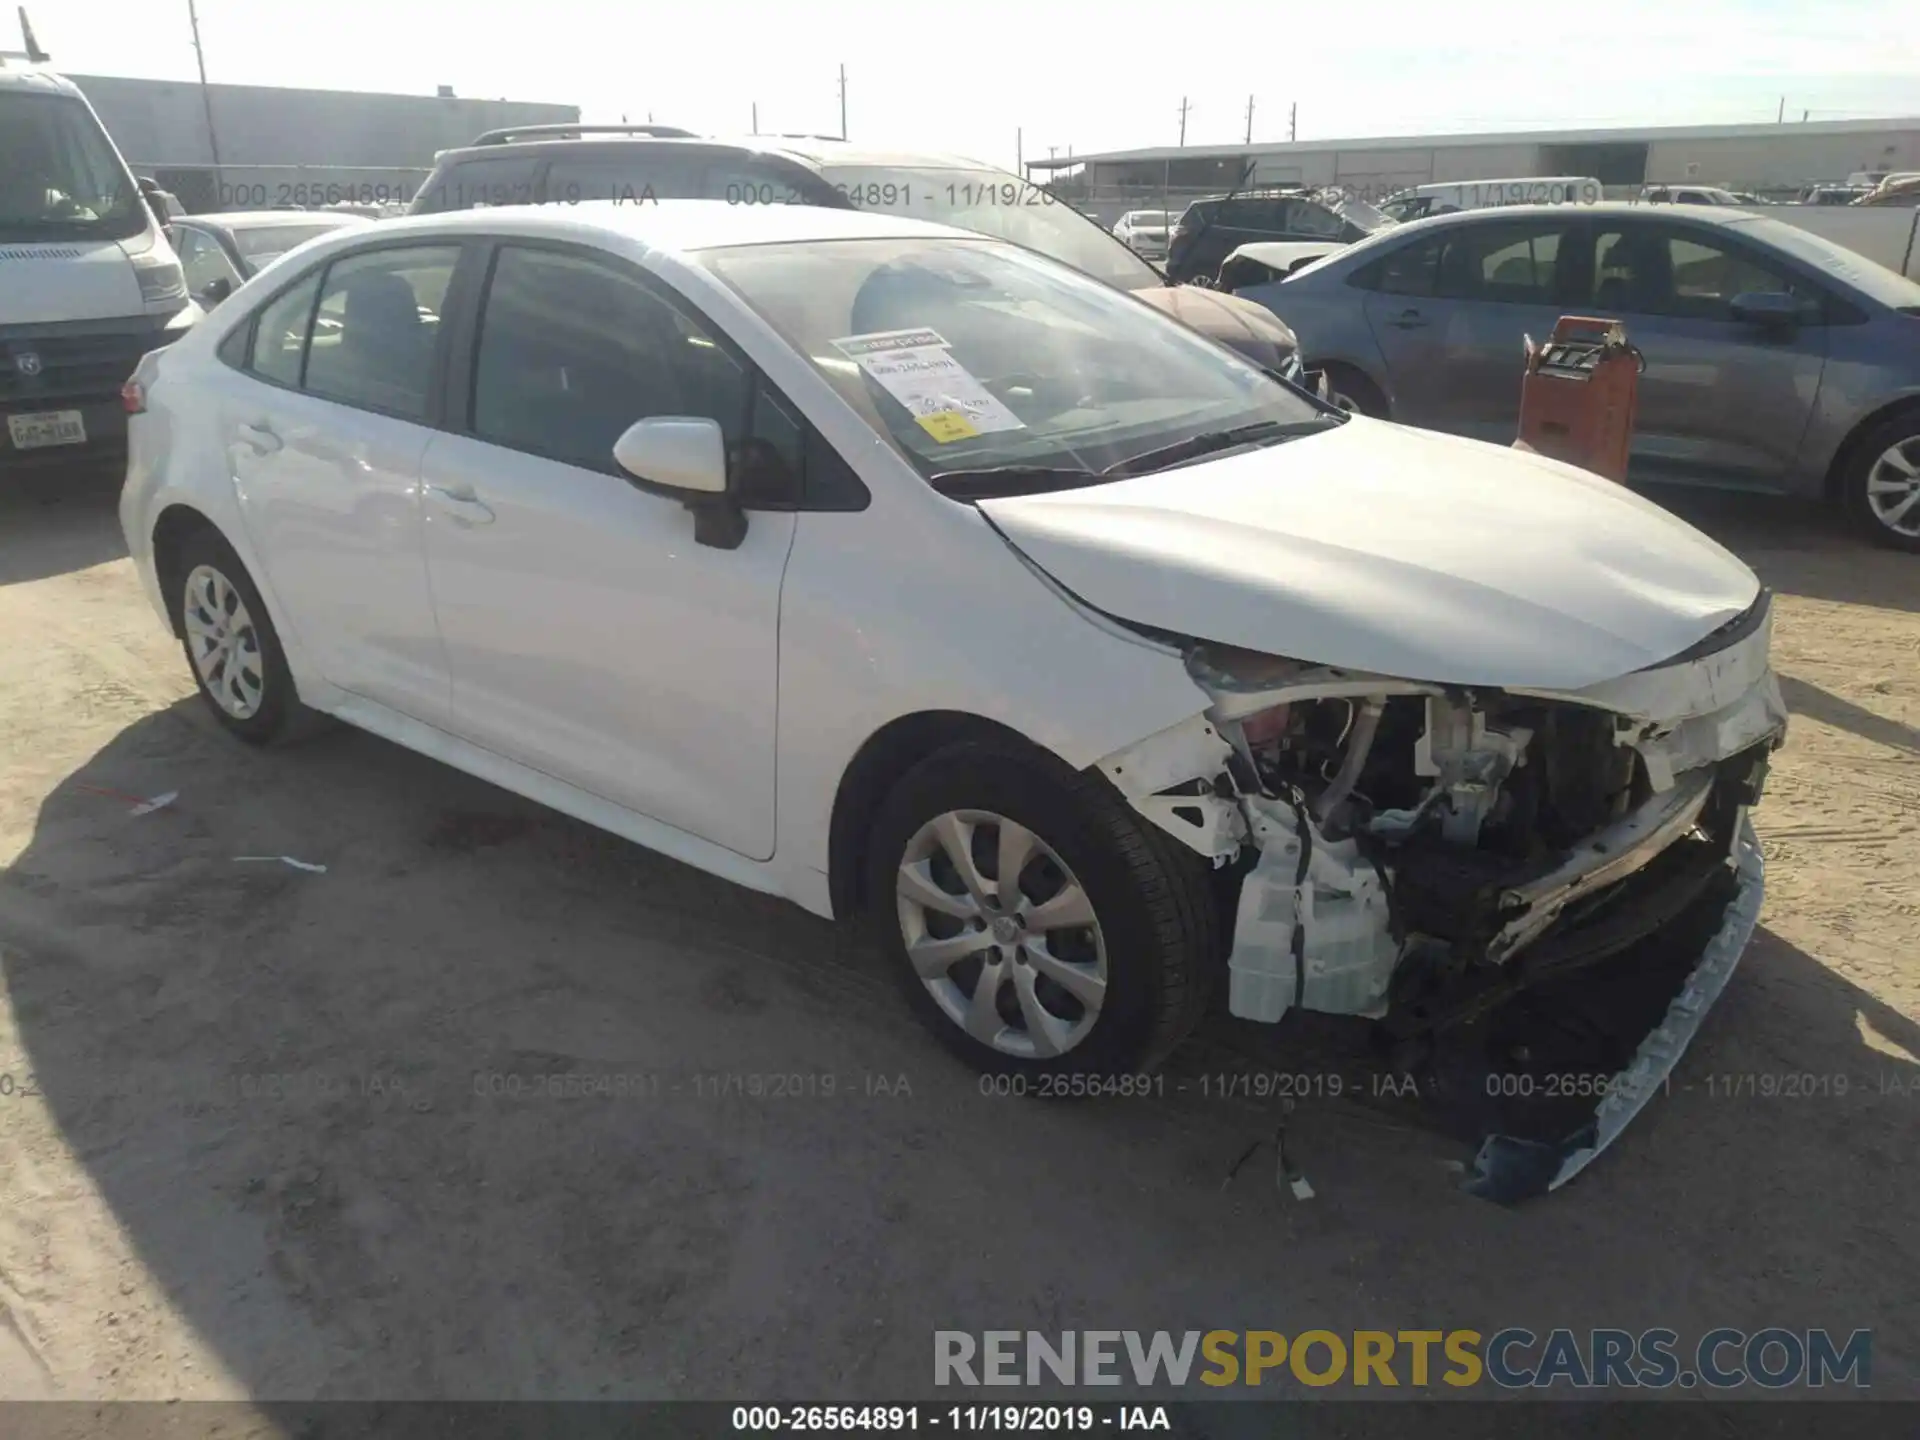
[48, 427]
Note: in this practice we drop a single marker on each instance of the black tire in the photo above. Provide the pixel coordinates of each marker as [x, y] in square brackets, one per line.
[1903, 427]
[1357, 388]
[279, 716]
[1153, 898]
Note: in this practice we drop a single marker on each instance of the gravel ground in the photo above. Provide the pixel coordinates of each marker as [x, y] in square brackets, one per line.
[244, 1149]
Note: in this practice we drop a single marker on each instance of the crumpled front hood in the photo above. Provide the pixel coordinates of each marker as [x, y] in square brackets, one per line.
[1401, 552]
[1241, 325]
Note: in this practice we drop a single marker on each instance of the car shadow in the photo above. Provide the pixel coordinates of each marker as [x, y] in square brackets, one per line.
[483, 1109]
[1804, 698]
[71, 517]
[1800, 548]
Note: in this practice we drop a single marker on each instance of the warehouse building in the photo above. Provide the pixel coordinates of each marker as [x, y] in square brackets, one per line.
[1755, 158]
[267, 146]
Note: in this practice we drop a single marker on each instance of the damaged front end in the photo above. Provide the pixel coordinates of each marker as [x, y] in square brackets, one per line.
[1534, 895]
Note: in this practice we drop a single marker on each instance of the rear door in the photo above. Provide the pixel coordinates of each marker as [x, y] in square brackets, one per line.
[1721, 401]
[1450, 313]
[324, 435]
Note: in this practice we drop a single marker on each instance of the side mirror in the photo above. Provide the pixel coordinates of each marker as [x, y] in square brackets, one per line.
[214, 291]
[685, 457]
[1768, 308]
[148, 185]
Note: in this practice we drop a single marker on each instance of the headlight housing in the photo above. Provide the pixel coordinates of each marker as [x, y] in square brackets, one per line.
[162, 281]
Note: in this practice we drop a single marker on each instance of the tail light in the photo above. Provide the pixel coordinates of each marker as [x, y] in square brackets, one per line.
[133, 394]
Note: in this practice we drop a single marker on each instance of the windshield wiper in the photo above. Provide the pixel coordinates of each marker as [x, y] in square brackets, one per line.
[1210, 441]
[1011, 480]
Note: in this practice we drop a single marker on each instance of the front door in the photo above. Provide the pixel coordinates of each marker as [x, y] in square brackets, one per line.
[588, 635]
[1721, 400]
[324, 436]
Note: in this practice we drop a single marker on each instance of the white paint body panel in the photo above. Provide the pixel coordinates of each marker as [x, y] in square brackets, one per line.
[590, 637]
[1395, 551]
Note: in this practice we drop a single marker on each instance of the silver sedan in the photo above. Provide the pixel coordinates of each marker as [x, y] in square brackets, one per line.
[1776, 360]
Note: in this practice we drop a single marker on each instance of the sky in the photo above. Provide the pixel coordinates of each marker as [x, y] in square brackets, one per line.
[982, 77]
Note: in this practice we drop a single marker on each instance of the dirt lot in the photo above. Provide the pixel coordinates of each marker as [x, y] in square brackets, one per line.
[174, 1222]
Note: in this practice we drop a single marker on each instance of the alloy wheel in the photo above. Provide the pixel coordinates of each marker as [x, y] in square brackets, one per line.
[1893, 488]
[223, 643]
[1002, 934]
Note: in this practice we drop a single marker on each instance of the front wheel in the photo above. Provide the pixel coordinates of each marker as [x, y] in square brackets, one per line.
[1883, 483]
[1036, 922]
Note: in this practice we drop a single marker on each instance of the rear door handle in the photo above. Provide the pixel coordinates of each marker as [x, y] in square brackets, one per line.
[1408, 320]
[463, 507]
[260, 437]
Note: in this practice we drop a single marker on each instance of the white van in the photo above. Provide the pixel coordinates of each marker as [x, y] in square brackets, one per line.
[1449, 196]
[88, 282]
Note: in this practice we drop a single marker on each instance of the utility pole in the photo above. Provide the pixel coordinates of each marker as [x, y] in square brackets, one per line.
[756, 117]
[1293, 122]
[1249, 119]
[206, 96]
[1803, 116]
[1019, 154]
[1184, 107]
[843, 102]
[1781, 118]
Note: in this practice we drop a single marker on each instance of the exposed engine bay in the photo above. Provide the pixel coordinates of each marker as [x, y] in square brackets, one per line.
[1529, 879]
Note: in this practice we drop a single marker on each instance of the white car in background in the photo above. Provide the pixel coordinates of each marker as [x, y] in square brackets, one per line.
[1145, 232]
[894, 568]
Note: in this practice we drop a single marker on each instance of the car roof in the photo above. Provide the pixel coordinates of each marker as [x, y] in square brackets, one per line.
[260, 219]
[679, 225]
[33, 78]
[1492, 214]
[808, 149]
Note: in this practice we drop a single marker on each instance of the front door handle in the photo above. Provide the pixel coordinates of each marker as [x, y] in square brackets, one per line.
[260, 437]
[1408, 320]
[463, 507]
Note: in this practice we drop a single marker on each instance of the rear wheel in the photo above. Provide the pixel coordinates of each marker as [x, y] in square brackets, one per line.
[231, 644]
[1036, 922]
[1882, 486]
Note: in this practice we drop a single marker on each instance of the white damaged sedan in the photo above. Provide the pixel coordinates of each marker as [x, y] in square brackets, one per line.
[899, 570]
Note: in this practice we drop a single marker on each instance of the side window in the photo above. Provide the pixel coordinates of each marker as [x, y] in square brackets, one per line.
[280, 334]
[1303, 217]
[1266, 216]
[572, 352]
[1652, 270]
[626, 177]
[1408, 270]
[375, 332]
[1512, 264]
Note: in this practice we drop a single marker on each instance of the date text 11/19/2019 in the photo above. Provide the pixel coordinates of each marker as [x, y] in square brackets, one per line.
[961, 1419]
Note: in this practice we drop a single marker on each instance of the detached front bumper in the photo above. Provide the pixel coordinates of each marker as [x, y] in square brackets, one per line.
[1510, 1168]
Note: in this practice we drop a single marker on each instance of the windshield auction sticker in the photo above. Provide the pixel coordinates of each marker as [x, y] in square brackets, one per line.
[917, 368]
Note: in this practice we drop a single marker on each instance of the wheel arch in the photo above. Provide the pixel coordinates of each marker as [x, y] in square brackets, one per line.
[173, 527]
[888, 754]
[1848, 451]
